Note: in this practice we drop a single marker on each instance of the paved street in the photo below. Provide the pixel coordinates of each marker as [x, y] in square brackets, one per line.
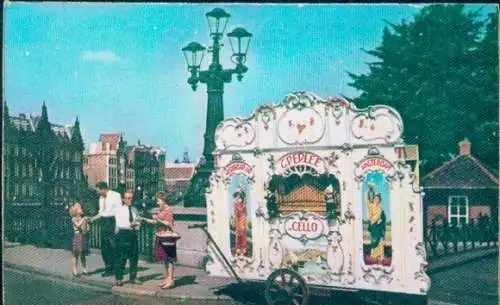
[23, 288]
[470, 284]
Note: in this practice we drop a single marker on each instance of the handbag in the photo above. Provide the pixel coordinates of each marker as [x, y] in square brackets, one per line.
[168, 238]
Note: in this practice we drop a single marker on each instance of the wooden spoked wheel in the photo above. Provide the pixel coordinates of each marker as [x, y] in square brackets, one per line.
[286, 287]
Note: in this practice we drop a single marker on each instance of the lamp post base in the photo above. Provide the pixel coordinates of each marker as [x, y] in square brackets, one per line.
[195, 195]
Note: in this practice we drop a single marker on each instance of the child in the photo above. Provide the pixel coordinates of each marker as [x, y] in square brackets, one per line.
[80, 247]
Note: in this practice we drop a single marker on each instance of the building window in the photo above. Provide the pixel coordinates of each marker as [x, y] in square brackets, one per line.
[458, 210]
[16, 170]
[67, 156]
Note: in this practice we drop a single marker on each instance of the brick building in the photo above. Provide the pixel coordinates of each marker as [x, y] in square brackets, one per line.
[177, 179]
[105, 161]
[137, 167]
[460, 190]
[43, 161]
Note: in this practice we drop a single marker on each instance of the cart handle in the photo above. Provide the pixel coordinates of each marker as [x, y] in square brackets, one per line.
[203, 226]
[198, 226]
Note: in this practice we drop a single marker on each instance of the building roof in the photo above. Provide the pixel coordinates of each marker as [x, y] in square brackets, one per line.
[113, 138]
[31, 122]
[178, 172]
[463, 171]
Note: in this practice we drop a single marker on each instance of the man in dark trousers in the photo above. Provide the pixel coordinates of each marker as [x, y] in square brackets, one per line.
[127, 245]
[108, 202]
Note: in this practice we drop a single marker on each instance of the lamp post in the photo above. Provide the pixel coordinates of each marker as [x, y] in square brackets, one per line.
[214, 77]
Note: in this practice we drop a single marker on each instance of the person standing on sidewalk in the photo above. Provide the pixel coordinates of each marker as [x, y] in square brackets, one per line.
[108, 201]
[168, 254]
[80, 246]
[127, 244]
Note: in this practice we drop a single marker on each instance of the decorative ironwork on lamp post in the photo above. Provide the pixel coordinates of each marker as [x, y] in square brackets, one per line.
[214, 77]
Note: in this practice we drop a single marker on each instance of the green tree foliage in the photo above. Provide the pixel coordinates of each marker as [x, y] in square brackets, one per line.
[440, 71]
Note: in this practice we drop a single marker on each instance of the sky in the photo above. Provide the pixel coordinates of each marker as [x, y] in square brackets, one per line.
[382, 187]
[119, 67]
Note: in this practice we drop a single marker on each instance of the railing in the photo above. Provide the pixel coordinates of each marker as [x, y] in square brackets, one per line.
[146, 239]
[444, 239]
[26, 224]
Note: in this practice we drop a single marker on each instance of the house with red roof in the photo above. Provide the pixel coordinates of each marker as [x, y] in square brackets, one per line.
[460, 190]
[177, 179]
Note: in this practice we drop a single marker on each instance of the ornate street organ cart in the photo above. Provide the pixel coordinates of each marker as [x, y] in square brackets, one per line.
[314, 193]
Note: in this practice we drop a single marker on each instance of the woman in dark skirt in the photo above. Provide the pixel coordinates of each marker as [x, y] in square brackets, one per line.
[166, 252]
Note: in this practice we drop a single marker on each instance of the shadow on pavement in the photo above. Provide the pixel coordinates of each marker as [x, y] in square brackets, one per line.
[100, 270]
[247, 293]
[185, 280]
[139, 269]
[154, 276]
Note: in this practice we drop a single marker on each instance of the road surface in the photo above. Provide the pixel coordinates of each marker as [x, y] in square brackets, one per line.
[475, 283]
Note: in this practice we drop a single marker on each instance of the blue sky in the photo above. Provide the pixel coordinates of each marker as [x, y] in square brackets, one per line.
[382, 187]
[119, 67]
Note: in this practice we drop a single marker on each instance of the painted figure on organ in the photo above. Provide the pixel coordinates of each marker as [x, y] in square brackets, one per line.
[377, 225]
[241, 222]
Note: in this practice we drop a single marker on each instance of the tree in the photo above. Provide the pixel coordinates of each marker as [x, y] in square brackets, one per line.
[485, 136]
[432, 70]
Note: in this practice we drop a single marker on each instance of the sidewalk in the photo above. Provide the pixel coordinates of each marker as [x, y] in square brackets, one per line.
[190, 283]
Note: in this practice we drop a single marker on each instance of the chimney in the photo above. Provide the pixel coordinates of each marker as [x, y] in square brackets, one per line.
[464, 147]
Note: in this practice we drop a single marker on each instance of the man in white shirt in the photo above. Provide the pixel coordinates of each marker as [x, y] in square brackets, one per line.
[127, 244]
[108, 201]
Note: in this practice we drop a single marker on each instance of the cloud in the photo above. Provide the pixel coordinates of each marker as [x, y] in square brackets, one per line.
[101, 56]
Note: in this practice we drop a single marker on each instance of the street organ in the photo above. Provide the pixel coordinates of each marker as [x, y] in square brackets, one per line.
[315, 193]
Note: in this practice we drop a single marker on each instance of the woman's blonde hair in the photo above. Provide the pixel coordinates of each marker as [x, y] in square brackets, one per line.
[76, 209]
[160, 195]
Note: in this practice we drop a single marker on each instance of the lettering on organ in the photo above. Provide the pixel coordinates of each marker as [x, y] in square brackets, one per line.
[304, 226]
[238, 167]
[299, 158]
[376, 163]
[310, 228]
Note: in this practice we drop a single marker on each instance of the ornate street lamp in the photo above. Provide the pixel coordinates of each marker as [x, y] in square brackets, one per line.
[239, 40]
[194, 53]
[215, 77]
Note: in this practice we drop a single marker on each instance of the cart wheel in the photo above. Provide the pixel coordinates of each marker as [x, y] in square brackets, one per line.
[286, 287]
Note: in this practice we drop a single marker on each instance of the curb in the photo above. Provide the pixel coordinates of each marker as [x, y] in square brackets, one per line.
[132, 291]
[165, 297]
[197, 300]
[51, 275]
[485, 253]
